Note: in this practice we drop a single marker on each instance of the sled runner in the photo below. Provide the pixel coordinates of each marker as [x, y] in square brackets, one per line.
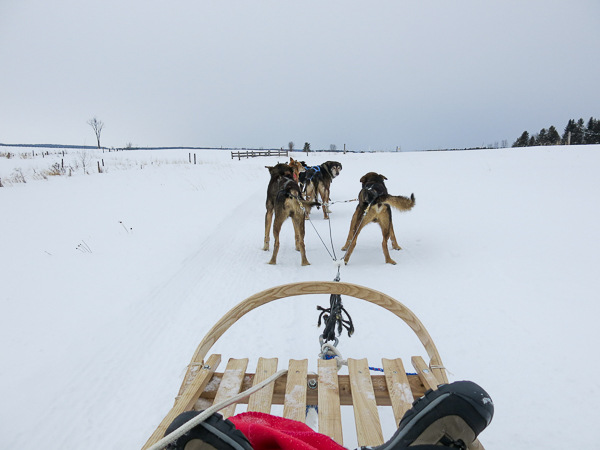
[203, 386]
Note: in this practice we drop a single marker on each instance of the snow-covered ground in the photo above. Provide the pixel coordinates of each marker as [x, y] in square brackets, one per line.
[108, 282]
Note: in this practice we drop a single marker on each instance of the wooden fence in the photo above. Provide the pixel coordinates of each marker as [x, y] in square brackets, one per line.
[255, 153]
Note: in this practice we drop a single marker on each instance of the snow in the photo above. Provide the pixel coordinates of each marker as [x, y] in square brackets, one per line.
[500, 262]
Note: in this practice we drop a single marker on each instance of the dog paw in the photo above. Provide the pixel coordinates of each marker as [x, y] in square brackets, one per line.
[396, 247]
[272, 262]
[390, 261]
[305, 263]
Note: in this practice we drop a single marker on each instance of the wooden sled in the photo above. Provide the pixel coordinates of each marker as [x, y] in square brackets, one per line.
[203, 385]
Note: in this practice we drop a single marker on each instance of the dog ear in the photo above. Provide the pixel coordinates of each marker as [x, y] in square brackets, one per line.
[383, 177]
[363, 179]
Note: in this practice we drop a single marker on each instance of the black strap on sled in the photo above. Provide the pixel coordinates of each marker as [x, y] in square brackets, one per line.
[334, 315]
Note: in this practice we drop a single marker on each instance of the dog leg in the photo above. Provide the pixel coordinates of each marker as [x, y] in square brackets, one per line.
[325, 199]
[298, 222]
[353, 224]
[268, 220]
[367, 219]
[385, 231]
[352, 245]
[276, 230]
[311, 196]
[297, 236]
[395, 245]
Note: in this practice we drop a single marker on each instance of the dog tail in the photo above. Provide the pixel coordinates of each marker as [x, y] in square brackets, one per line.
[398, 201]
[308, 205]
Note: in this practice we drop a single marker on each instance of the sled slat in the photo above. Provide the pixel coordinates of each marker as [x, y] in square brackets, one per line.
[397, 383]
[330, 419]
[425, 374]
[368, 427]
[187, 399]
[231, 383]
[261, 401]
[294, 405]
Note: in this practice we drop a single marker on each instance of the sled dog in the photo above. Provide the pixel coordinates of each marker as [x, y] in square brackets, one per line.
[316, 181]
[297, 168]
[374, 206]
[284, 199]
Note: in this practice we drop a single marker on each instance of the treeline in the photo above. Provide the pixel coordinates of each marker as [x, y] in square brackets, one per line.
[576, 133]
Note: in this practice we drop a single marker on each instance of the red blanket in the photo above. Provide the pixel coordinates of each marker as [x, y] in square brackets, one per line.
[267, 432]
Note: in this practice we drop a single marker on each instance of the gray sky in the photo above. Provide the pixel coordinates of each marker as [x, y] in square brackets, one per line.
[368, 74]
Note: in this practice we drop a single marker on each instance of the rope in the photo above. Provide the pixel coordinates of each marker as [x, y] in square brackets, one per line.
[341, 201]
[358, 227]
[210, 411]
[329, 351]
[441, 367]
[324, 245]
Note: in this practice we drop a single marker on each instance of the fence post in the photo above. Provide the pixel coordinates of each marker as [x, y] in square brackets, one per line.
[99, 171]
[194, 158]
[190, 157]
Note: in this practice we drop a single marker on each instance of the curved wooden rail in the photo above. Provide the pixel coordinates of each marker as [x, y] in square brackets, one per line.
[323, 287]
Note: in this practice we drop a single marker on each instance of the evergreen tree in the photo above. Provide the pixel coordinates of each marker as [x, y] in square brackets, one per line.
[542, 137]
[553, 136]
[580, 133]
[592, 132]
[306, 147]
[532, 142]
[523, 141]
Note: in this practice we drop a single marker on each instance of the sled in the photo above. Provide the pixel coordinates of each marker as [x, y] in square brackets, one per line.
[203, 386]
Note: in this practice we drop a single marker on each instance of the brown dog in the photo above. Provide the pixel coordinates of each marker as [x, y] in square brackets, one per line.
[297, 168]
[374, 206]
[284, 199]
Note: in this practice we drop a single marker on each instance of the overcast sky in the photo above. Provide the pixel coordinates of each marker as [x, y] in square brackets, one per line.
[368, 74]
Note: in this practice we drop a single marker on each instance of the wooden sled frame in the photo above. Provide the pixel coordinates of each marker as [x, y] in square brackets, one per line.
[202, 386]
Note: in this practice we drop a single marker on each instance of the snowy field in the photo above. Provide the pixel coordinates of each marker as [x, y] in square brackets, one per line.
[110, 280]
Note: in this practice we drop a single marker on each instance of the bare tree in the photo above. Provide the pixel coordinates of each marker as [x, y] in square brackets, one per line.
[85, 159]
[333, 147]
[291, 146]
[97, 126]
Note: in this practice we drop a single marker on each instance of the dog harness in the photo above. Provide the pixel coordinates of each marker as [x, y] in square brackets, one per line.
[373, 192]
[314, 169]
